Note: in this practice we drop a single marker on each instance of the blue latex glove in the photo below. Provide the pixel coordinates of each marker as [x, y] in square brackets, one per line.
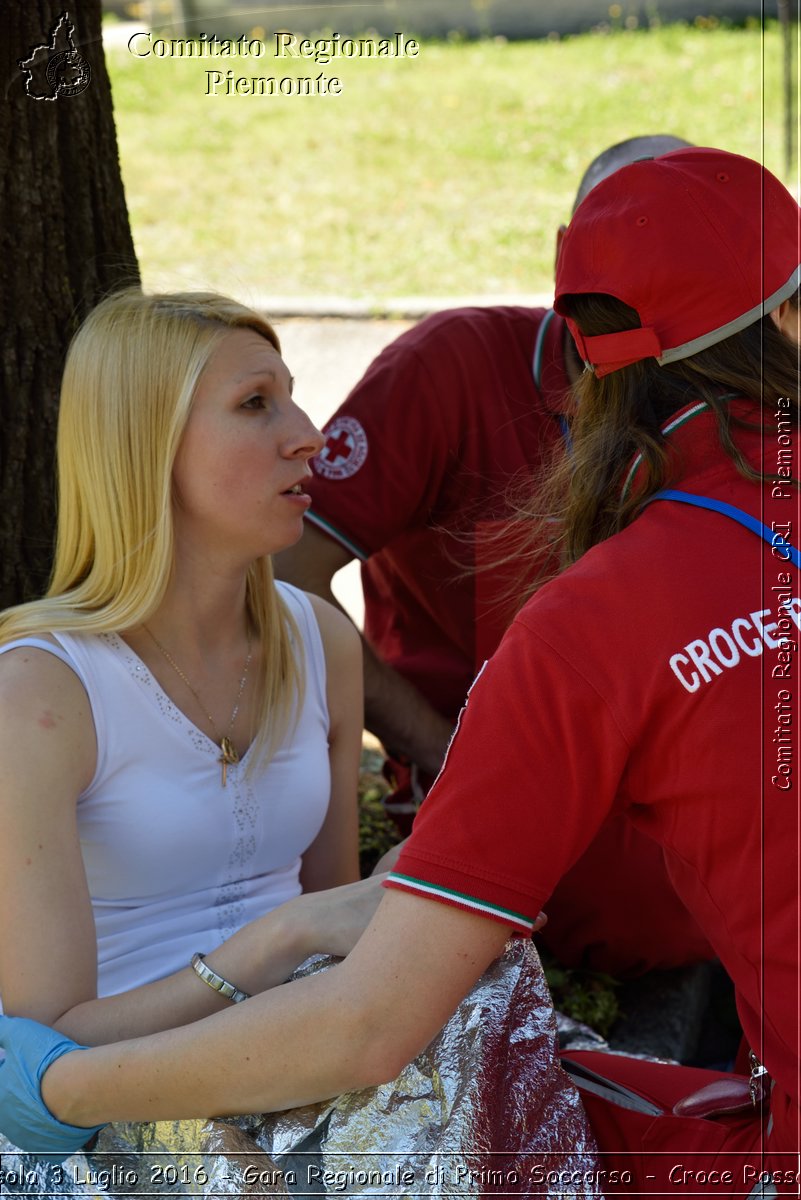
[24, 1117]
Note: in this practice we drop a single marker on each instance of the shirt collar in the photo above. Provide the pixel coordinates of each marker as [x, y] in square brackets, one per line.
[633, 475]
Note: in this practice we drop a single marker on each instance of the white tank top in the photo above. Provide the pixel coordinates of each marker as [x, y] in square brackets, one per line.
[175, 862]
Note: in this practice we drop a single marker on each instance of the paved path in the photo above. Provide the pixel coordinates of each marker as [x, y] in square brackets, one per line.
[328, 356]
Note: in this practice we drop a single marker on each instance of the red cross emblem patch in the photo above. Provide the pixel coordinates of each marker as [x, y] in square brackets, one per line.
[344, 451]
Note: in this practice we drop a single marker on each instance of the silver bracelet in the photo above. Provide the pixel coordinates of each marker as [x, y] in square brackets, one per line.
[216, 982]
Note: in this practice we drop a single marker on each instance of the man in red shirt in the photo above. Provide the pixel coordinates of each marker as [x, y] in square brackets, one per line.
[417, 480]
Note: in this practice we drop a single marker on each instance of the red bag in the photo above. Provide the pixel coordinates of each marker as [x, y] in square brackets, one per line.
[678, 1130]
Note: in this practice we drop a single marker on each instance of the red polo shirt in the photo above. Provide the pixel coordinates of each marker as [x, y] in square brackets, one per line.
[416, 470]
[657, 677]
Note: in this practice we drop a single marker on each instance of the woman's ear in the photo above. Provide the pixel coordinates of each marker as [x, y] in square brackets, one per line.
[787, 319]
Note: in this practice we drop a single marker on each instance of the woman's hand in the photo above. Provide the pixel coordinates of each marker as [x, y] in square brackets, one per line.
[334, 921]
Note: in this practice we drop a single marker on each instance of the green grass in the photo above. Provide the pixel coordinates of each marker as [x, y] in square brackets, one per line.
[443, 175]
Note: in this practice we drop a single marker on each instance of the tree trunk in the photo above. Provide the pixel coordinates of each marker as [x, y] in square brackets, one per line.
[64, 243]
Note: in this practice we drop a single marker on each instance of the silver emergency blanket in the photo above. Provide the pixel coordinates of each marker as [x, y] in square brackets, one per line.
[485, 1110]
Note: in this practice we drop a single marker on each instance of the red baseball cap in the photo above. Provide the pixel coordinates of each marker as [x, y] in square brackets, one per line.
[700, 242]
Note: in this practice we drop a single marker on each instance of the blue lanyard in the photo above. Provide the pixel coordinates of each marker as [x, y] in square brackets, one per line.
[787, 553]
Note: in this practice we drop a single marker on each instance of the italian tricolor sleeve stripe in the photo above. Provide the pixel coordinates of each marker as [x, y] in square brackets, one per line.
[332, 531]
[449, 896]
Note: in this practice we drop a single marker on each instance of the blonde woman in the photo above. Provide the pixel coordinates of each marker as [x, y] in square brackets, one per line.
[179, 735]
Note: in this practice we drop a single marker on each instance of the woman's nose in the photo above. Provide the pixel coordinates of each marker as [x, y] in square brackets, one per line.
[307, 440]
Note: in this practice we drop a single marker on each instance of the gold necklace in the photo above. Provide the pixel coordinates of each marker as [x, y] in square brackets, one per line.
[228, 752]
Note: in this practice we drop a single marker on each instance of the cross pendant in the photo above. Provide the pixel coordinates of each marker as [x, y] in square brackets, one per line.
[228, 757]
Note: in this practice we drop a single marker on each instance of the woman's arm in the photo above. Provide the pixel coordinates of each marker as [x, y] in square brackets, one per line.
[48, 948]
[306, 1041]
[333, 857]
[48, 952]
[258, 957]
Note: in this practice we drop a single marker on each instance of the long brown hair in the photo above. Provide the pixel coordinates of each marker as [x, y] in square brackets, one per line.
[581, 500]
